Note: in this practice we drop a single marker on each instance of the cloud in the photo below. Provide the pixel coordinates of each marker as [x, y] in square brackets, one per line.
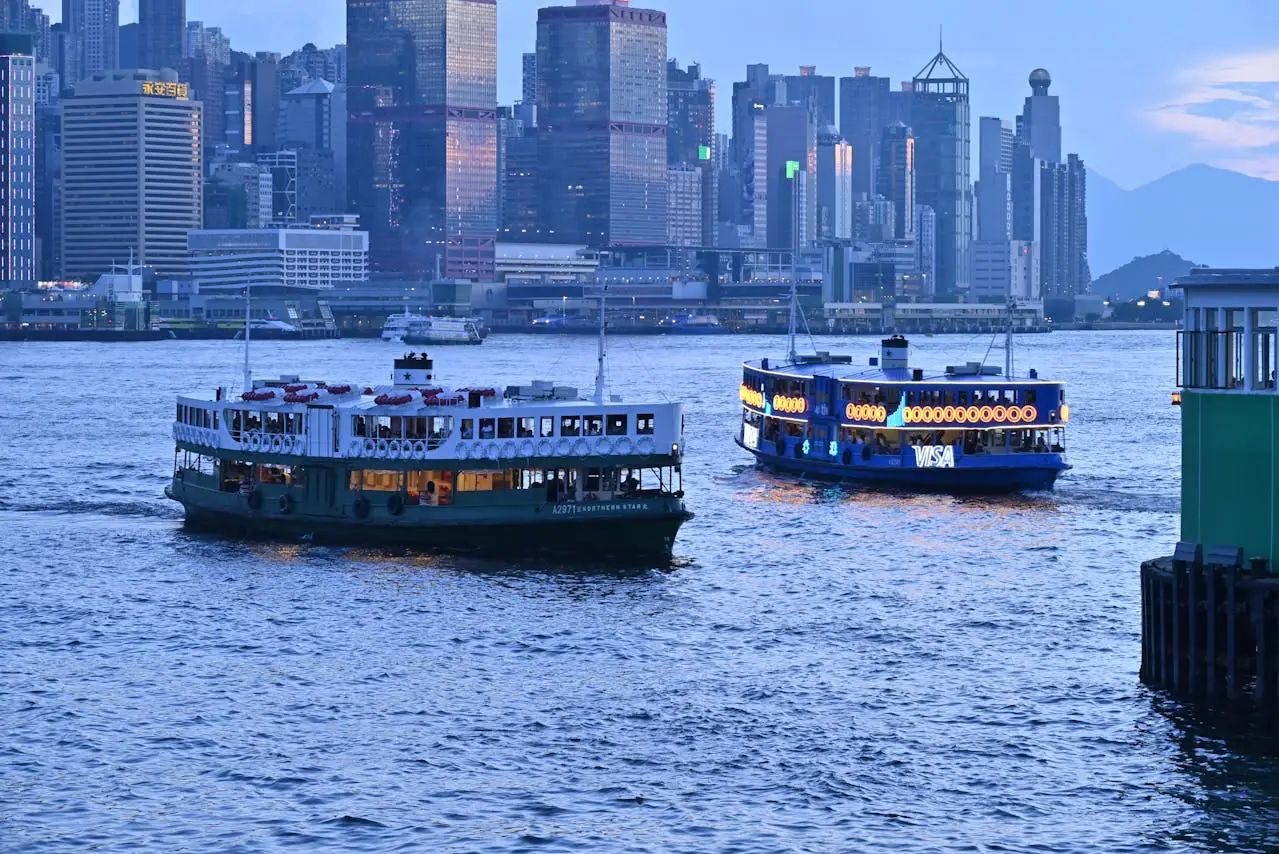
[1229, 107]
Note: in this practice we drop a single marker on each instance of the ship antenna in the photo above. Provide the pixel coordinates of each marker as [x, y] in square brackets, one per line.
[794, 309]
[248, 372]
[603, 351]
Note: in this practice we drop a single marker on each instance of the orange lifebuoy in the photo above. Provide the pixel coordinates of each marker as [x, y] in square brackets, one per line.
[948, 414]
[1001, 413]
[1029, 414]
[1014, 415]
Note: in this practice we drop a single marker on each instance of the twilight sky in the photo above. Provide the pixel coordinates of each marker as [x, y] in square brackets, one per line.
[1147, 86]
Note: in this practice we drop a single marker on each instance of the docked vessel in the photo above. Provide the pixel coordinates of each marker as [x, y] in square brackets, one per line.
[967, 428]
[427, 330]
[528, 469]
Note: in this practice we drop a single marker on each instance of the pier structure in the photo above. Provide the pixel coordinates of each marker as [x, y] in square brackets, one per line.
[1210, 612]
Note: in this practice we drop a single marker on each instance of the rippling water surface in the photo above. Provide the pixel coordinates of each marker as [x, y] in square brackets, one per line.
[822, 670]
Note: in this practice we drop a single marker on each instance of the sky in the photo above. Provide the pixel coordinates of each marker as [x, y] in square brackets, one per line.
[1146, 86]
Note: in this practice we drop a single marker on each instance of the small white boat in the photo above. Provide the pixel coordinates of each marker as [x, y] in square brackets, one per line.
[421, 329]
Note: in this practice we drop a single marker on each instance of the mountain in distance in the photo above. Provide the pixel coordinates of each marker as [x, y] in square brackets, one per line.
[1142, 275]
[1218, 217]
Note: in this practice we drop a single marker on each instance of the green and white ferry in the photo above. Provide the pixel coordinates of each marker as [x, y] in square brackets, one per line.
[526, 469]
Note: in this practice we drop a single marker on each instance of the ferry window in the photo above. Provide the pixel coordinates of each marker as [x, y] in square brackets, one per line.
[644, 424]
[441, 427]
[488, 428]
[506, 428]
[570, 425]
[1030, 396]
[892, 399]
[484, 481]
[595, 425]
[948, 398]
[910, 398]
[525, 428]
[547, 427]
[378, 481]
[468, 428]
[963, 398]
[430, 488]
[617, 425]
[397, 427]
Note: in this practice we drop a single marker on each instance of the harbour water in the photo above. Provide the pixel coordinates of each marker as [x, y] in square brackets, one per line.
[822, 669]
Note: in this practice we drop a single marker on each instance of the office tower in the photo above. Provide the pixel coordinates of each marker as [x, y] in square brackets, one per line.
[994, 180]
[519, 222]
[900, 103]
[1063, 263]
[895, 177]
[814, 88]
[238, 195]
[253, 104]
[61, 53]
[601, 112]
[162, 24]
[18, 177]
[684, 205]
[48, 189]
[528, 79]
[132, 172]
[312, 63]
[863, 115]
[690, 137]
[760, 89]
[755, 180]
[940, 120]
[312, 118]
[834, 186]
[422, 133]
[926, 247]
[93, 27]
[875, 218]
[792, 176]
[1040, 122]
[208, 55]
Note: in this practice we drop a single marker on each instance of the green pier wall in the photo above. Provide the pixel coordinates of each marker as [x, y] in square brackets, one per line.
[1229, 473]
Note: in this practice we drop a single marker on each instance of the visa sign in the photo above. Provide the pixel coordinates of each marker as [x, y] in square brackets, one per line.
[934, 456]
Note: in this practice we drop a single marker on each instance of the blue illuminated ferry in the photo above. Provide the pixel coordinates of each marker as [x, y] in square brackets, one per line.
[969, 428]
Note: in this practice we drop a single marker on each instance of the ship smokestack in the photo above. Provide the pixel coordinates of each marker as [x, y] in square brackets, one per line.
[894, 353]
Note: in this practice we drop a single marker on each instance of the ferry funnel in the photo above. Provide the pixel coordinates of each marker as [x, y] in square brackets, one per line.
[894, 353]
[413, 371]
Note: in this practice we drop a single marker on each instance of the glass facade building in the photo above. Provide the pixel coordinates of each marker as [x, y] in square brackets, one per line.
[422, 133]
[17, 162]
[943, 182]
[602, 124]
[162, 23]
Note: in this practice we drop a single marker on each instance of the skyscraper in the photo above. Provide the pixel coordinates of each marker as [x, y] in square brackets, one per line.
[132, 173]
[528, 79]
[792, 176]
[940, 120]
[1063, 268]
[1040, 122]
[895, 177]
[814, 88]
[690, 139]
[162, 24]
[863, 115]
[602, 113]
[93, 28]
[834, 186]
[422, 138]
[18, 177]
[994, 179]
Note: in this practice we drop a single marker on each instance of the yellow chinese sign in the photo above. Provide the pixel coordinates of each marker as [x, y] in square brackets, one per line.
[165, 90]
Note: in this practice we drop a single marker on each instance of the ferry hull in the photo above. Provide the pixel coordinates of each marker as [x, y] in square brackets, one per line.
[575, 531]
[961, 479]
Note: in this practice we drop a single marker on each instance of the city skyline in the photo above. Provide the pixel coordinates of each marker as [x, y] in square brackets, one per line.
[1147, 92]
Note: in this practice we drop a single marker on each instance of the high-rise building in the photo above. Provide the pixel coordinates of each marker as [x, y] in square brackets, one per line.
[312, 118]
[18, 153]
[129, 54]
[994, 179]
[162, 24]
[940, 120]
[48, 188]
[895, 177]
[601, 113]
[863, 115]
[690, 137]
[205, 68]
[756, 181]
[814, 88]
[1040, 122]
[422, 137]
[684, 205]
[1063, 260]
[926, 248]
[93, 27]
[517, 180]
[792, 176]
[760, 89]
[253, 104]
[528, 79]
[132, 172]
[834, 186]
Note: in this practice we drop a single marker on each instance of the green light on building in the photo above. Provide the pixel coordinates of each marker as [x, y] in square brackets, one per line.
[792, 169]
[703, 152]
